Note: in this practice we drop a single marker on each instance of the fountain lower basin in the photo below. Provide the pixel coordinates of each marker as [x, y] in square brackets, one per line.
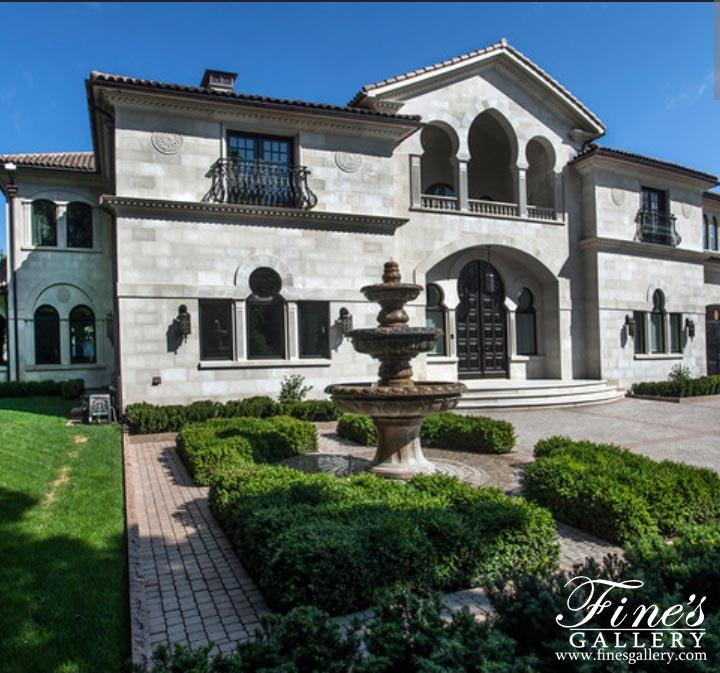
[397, 412]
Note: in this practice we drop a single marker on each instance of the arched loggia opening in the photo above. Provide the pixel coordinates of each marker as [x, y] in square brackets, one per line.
[493, 152]
[540, 179]
[439, 186]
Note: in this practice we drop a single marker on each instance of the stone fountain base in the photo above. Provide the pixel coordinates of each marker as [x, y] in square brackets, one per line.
[397, 412]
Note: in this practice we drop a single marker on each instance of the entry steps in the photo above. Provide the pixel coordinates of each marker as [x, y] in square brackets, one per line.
[535, 393]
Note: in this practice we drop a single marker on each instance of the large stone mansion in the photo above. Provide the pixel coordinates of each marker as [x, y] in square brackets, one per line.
[214, 242]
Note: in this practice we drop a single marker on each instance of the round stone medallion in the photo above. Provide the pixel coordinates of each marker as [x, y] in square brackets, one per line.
[166, 142]
[618, 196]
[63, 295]
[348, 162]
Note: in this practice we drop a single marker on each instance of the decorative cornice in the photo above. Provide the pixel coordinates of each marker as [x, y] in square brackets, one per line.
[236, 214]
[640, 249]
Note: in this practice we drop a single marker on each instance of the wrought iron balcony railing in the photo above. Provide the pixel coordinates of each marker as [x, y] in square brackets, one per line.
[656, 227]
[260, 183]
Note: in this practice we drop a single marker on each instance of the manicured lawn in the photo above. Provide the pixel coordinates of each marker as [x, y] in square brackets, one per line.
[63, 562]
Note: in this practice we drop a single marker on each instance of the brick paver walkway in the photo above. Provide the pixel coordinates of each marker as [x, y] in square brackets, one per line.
[186, 585]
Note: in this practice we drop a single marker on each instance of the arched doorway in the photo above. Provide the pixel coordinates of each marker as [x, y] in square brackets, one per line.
[481, 322]
[712, 328]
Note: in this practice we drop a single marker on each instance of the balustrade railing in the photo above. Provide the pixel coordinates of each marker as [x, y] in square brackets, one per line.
[260, 183]
[439, 202]
[497, 208]
[541, 213]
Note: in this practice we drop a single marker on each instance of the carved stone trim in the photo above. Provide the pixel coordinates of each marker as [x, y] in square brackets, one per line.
[618, 196]
[348, 162]
[166, 142]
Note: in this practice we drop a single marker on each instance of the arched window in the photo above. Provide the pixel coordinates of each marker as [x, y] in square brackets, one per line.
[47, 336]
[525, 323]
[714, 234]
[706, 233]
[79, 225]
[44, 223]
[265, 315]
[82, 335]
[435, 316]
[657, 323]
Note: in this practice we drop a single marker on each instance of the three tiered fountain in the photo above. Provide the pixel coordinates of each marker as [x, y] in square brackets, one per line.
[397, 403]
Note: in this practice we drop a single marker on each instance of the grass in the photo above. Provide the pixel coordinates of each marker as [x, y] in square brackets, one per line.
[63, 567]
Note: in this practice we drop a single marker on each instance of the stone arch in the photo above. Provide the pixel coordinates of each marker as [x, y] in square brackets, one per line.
[493, 148]
[541, 160]
[242, 274]
[64, 297]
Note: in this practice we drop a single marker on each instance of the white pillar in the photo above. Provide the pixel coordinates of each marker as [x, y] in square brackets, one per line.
[240, 340]
[520, 191]
[415, 181]
[460, 169]
[293, 332]
[559, 200]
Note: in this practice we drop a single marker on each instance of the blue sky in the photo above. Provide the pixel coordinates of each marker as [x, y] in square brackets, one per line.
[646, 69]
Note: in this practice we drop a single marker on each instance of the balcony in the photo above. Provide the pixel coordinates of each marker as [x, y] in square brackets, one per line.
[260, 183]
[656, 227]
[494, 208]
[438, 202]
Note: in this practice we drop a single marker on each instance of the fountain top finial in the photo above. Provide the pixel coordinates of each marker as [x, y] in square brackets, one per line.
[391, 273]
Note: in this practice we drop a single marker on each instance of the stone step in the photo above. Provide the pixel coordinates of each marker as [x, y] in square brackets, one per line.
[536, 392]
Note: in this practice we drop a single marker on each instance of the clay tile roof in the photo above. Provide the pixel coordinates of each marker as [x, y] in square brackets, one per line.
[71, 161]
[593, 149]
[134, 82]
[497, 47]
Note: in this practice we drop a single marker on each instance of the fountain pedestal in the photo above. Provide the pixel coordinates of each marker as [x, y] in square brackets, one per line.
[396, 403]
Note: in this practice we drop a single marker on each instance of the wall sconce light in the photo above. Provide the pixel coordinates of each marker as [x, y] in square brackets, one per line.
[183, 322]
[630, 323]
[690, 327]
[345, 320]
[110, 327]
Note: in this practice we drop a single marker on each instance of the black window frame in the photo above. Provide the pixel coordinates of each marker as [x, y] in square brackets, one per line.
[210, 352]
[640, 338]
[35, 238]
[271, 309]
[77, 321]
[302, 307]
[435, 314]
[44, 331]
[258, 139]
[70, 236]
[527, 311]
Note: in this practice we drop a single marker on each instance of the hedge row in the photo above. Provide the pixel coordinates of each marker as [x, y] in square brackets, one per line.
[618, 495]
[68, 389]
[316, 539]
[446, 430]
[241, 442]
[144, 418]
[705, 385]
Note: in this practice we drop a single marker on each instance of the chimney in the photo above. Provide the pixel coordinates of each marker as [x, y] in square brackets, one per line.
[219, 80]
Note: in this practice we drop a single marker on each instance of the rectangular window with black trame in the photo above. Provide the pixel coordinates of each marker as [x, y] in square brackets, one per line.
[676, 332]
[313, 322]
[640, 336]
[216, 330]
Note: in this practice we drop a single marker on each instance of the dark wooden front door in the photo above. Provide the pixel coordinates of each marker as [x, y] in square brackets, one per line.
[481, 325]
[712, 327]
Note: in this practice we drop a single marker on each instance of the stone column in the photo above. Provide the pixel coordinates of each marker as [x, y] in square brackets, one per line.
[520, 189]
[292, 331]
[240, 340]
[558, 197]
[460, 169]
[415, 181]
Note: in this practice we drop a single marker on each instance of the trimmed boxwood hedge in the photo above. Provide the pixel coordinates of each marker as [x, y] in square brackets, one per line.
[332, 542]
[616, 494]
[240, 442]
[144, 418]
[68, 389]
[446, 430]
[705, 385]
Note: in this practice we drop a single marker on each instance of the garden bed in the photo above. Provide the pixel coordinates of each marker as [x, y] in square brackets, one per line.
[334, 543]
[618, 495]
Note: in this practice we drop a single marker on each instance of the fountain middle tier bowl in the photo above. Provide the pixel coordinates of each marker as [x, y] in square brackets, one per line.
[394, 342]
[419, 399]
[391, 292]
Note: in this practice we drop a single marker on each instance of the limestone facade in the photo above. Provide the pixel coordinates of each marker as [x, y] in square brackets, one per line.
[476, 175]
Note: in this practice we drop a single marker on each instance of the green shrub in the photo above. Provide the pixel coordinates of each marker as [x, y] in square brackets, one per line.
[616, 494]
[68, 389]
[259, 406]
[72, 389]
[468, 433]
[357, 428]
[240, 442]
[292, 389]
[320, 540]
[679, 387]
[310, 410]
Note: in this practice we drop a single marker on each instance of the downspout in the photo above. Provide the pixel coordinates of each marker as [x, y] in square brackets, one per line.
[11, 194]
